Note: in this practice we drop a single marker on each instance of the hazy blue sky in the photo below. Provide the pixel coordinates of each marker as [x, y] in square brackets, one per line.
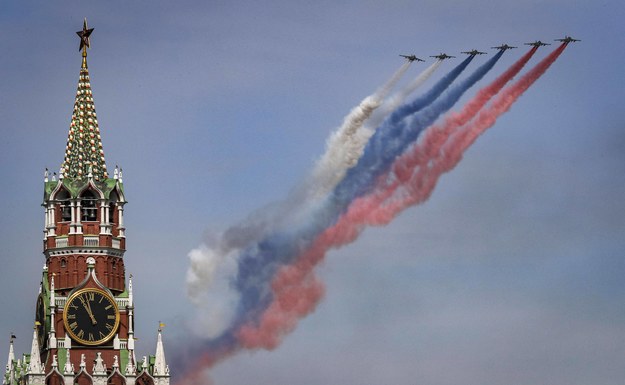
[511, 273]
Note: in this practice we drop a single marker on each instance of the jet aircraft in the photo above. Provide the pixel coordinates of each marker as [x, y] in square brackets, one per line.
[442, 56]
[537, 43]
[503, 47]
[567, 39]
[411, 58]
[474, 52]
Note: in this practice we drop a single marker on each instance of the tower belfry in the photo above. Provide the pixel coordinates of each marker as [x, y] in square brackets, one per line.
[84, 323]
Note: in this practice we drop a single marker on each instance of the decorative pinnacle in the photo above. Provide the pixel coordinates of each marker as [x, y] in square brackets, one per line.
[84, 41]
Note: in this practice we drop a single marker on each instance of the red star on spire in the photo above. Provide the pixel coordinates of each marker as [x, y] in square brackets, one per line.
[84, 36]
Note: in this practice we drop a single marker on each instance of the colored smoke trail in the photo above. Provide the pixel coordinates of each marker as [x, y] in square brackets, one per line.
[448, 150]
[401, 130]
[233, 302]
[243, 252]
[257, 265]
[292, 285]
[288, 306]
[397, 99]
[278, 269]
[283, 248]
[436, 135]
[211, 265]
[345, 145]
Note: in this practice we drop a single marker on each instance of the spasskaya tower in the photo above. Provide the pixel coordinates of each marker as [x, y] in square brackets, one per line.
[84, 322]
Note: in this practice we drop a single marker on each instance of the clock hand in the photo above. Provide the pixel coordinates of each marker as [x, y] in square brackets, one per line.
[93, 320]
[87, 306]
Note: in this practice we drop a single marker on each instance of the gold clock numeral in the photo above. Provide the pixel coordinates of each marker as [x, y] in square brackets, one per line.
[90, 336]
[108, 307]
[101, 299]
[80, 334]
[110, 316]
[102, 335]
[71, 316]
[89, 296]
[73, 325]
[109, 327]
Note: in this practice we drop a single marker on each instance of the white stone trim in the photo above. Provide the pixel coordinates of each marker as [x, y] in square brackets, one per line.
[107, 251]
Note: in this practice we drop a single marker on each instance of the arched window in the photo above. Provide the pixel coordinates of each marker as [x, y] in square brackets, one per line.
[112, 206]
[64, 203]
[116, 379]
[83, 379]
[89, 206]
[54, 379]
[63, 263]
[144, 379]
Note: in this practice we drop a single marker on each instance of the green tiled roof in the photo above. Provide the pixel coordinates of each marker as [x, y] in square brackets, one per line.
[75, 186]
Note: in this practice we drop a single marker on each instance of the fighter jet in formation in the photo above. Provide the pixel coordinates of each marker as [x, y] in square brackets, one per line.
[537, 43]
[442, 56]
[567, 39]
[411, 58]
[503, 47]
[474, 52]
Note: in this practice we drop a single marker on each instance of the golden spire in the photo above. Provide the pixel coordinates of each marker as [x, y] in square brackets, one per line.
[84, 157]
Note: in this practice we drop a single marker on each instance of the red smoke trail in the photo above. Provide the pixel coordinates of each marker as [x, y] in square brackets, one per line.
[365, 210]
[423, 180]
[296, 289]
[197, 375]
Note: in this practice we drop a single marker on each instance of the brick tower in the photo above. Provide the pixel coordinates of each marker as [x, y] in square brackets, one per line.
[84, 329]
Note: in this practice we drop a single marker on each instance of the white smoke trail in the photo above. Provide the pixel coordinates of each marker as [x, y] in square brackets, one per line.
[208, 287]
[392, 103]
[345, 145]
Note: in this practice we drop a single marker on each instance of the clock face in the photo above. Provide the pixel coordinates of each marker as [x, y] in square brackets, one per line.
[40, 317]
[91, 316]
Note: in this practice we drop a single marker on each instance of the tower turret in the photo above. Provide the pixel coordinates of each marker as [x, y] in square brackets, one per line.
[161, 369]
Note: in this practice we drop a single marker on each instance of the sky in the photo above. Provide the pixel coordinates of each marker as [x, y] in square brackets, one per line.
[510, 273]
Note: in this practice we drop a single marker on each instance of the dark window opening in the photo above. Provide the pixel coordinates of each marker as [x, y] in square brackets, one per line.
[65, 205]
[66, 211]
[112, 206]
[89, 206]
[112, 212]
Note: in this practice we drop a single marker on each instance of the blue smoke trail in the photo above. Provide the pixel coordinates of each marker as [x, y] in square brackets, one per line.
[388, 143]
[426, 99]
[258, 264]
